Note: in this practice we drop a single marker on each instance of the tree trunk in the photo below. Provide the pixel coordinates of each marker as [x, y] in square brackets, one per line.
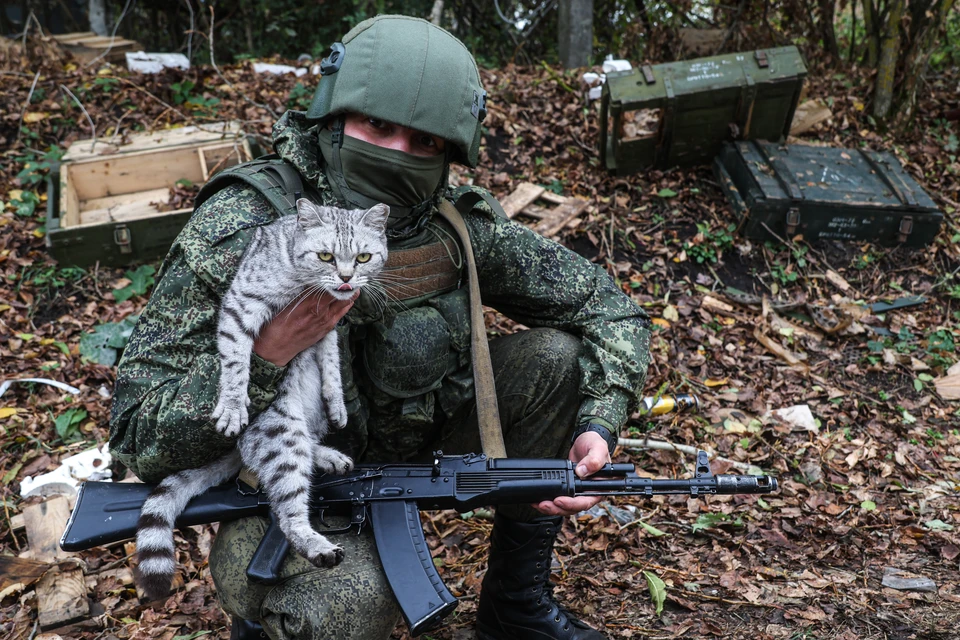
[871, 32]
[97, 13]
[918, 55]
[887, 64]
[827, 31]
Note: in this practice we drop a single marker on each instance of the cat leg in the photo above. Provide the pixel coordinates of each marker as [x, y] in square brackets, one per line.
[241, 317]
[328, 360]
[280, 446]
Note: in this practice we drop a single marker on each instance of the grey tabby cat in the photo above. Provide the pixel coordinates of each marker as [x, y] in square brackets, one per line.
[321, 249]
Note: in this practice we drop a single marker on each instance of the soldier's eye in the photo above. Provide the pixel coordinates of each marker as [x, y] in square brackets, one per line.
[363, 257]
[326, 256]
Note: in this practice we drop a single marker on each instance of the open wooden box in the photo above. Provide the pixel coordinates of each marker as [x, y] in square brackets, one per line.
[106, 202]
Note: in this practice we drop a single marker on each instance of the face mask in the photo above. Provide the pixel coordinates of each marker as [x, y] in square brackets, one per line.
[368, 174]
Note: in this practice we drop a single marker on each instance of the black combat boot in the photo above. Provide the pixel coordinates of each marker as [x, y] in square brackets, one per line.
[516, 600]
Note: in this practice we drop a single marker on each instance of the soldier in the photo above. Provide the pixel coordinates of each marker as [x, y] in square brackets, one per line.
[398, 101]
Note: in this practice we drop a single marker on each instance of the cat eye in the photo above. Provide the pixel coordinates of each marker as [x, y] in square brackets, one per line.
[326, 256]
[363, 257]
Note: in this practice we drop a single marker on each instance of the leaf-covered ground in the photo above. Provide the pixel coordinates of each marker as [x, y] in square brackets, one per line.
[871, 485]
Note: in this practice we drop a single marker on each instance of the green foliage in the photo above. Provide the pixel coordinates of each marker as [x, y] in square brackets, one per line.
[26, 204]
[67, 424]
[658, 590]
[713, 244]
[35, 168]
[103, 346]
[141, 279]
[300, 97]
[711, 520]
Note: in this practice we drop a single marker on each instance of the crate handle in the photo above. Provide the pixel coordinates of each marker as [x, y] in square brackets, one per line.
[762, 60]
[793, 220]
[648, 76]
[906, 228]
[123, 238]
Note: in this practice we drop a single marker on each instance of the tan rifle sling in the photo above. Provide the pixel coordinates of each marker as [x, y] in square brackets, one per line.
[488, 412]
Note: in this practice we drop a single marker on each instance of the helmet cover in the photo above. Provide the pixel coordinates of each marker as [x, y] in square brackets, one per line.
[410, 72]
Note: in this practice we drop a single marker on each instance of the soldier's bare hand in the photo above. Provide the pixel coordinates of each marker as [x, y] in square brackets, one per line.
[302, 324]
[589, 453]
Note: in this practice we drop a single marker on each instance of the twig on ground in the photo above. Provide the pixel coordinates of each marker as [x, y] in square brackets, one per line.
[632, 443]
[190, 32]
[213, 63]
[26, 105]
[93, 128]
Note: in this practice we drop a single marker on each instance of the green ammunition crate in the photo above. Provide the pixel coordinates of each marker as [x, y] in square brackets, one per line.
[681, 113]
[102, 201]
[824, 193]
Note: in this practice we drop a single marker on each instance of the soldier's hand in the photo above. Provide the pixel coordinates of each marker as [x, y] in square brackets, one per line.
[589, 453]
[302, 324]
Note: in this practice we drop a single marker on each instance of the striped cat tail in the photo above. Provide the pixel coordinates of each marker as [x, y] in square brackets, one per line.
[156, 554]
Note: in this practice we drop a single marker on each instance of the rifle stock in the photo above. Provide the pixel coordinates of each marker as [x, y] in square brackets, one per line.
[390, 496]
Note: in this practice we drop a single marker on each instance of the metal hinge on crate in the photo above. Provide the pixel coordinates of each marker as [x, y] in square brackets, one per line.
[122, 238]
[906, 228]
[793, 220]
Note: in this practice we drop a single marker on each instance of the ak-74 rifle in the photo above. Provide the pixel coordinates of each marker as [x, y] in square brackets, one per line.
[389, 497]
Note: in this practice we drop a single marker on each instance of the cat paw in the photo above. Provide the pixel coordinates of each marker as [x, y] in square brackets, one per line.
[231, 416]
[331, 461]
[329, 555]
[337, 414]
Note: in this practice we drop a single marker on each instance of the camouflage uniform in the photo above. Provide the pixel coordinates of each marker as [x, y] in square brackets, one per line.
[548, 381]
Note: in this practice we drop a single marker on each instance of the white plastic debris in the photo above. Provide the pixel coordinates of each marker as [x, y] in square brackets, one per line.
[156, 62]
[796, 416]
[92, 464]
[610, 65]
[6, 384]
[595, 92]
[277, 69]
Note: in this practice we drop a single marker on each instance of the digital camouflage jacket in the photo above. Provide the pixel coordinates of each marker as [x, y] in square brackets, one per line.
[402, 369]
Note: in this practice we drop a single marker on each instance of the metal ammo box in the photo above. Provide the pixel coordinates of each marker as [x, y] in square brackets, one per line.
[105, 203]
[823, 192]
[681, 113]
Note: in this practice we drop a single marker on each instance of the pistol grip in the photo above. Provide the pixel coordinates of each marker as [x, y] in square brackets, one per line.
[265, 564]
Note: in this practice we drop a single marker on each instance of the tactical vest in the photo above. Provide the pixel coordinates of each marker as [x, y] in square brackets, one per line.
[415, 353]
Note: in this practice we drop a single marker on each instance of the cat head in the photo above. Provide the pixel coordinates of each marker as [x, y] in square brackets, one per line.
[341, 249]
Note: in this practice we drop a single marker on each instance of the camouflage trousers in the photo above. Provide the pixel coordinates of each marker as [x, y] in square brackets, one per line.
[537, 379]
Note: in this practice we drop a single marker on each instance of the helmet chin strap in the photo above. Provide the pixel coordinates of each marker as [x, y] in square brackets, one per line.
[405, 222]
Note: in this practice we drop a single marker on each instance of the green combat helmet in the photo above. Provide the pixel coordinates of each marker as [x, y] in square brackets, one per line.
[410, 72]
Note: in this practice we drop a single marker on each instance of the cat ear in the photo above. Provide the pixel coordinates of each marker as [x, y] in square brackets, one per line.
[310, 215]
[376, 216]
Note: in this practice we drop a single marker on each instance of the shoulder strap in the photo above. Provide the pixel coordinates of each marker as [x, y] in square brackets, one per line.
[469, 199]
[488, 412]
[270, 176]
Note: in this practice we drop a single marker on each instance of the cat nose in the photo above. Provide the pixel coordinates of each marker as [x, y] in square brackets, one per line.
[346, 278]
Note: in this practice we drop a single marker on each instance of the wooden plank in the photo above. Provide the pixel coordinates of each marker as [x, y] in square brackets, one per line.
[808, 115]
[64, 38]
[560, 216]
[124, 207]
[61, 593]
[524, 194]
[69, 202]
[62, 597]
[227, 131]
[45, 523]
[535, 211]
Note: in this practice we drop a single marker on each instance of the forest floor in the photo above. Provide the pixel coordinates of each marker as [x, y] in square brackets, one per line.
[871, 485]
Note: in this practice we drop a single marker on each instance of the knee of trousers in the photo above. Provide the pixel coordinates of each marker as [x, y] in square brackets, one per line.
[352, 600]
[552, 354]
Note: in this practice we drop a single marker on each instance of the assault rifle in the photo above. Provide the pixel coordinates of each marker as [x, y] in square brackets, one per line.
[389, 498]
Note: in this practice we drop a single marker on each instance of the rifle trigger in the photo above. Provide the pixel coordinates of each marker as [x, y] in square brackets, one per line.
[358, 515]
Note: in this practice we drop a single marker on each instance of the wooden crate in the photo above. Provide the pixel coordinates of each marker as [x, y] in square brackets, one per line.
[104, 202]
[87, 46]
